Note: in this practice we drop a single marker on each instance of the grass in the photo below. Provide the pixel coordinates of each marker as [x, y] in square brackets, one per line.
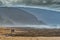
[29, 38]
[38, 34]
[30, 32]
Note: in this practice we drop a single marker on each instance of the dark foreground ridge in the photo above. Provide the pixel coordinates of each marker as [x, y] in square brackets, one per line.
[32, 32]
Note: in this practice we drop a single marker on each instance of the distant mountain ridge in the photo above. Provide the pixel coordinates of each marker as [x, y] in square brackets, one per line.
[17, 16]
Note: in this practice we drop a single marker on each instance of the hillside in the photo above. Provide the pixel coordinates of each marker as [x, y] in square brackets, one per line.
[16, 16]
